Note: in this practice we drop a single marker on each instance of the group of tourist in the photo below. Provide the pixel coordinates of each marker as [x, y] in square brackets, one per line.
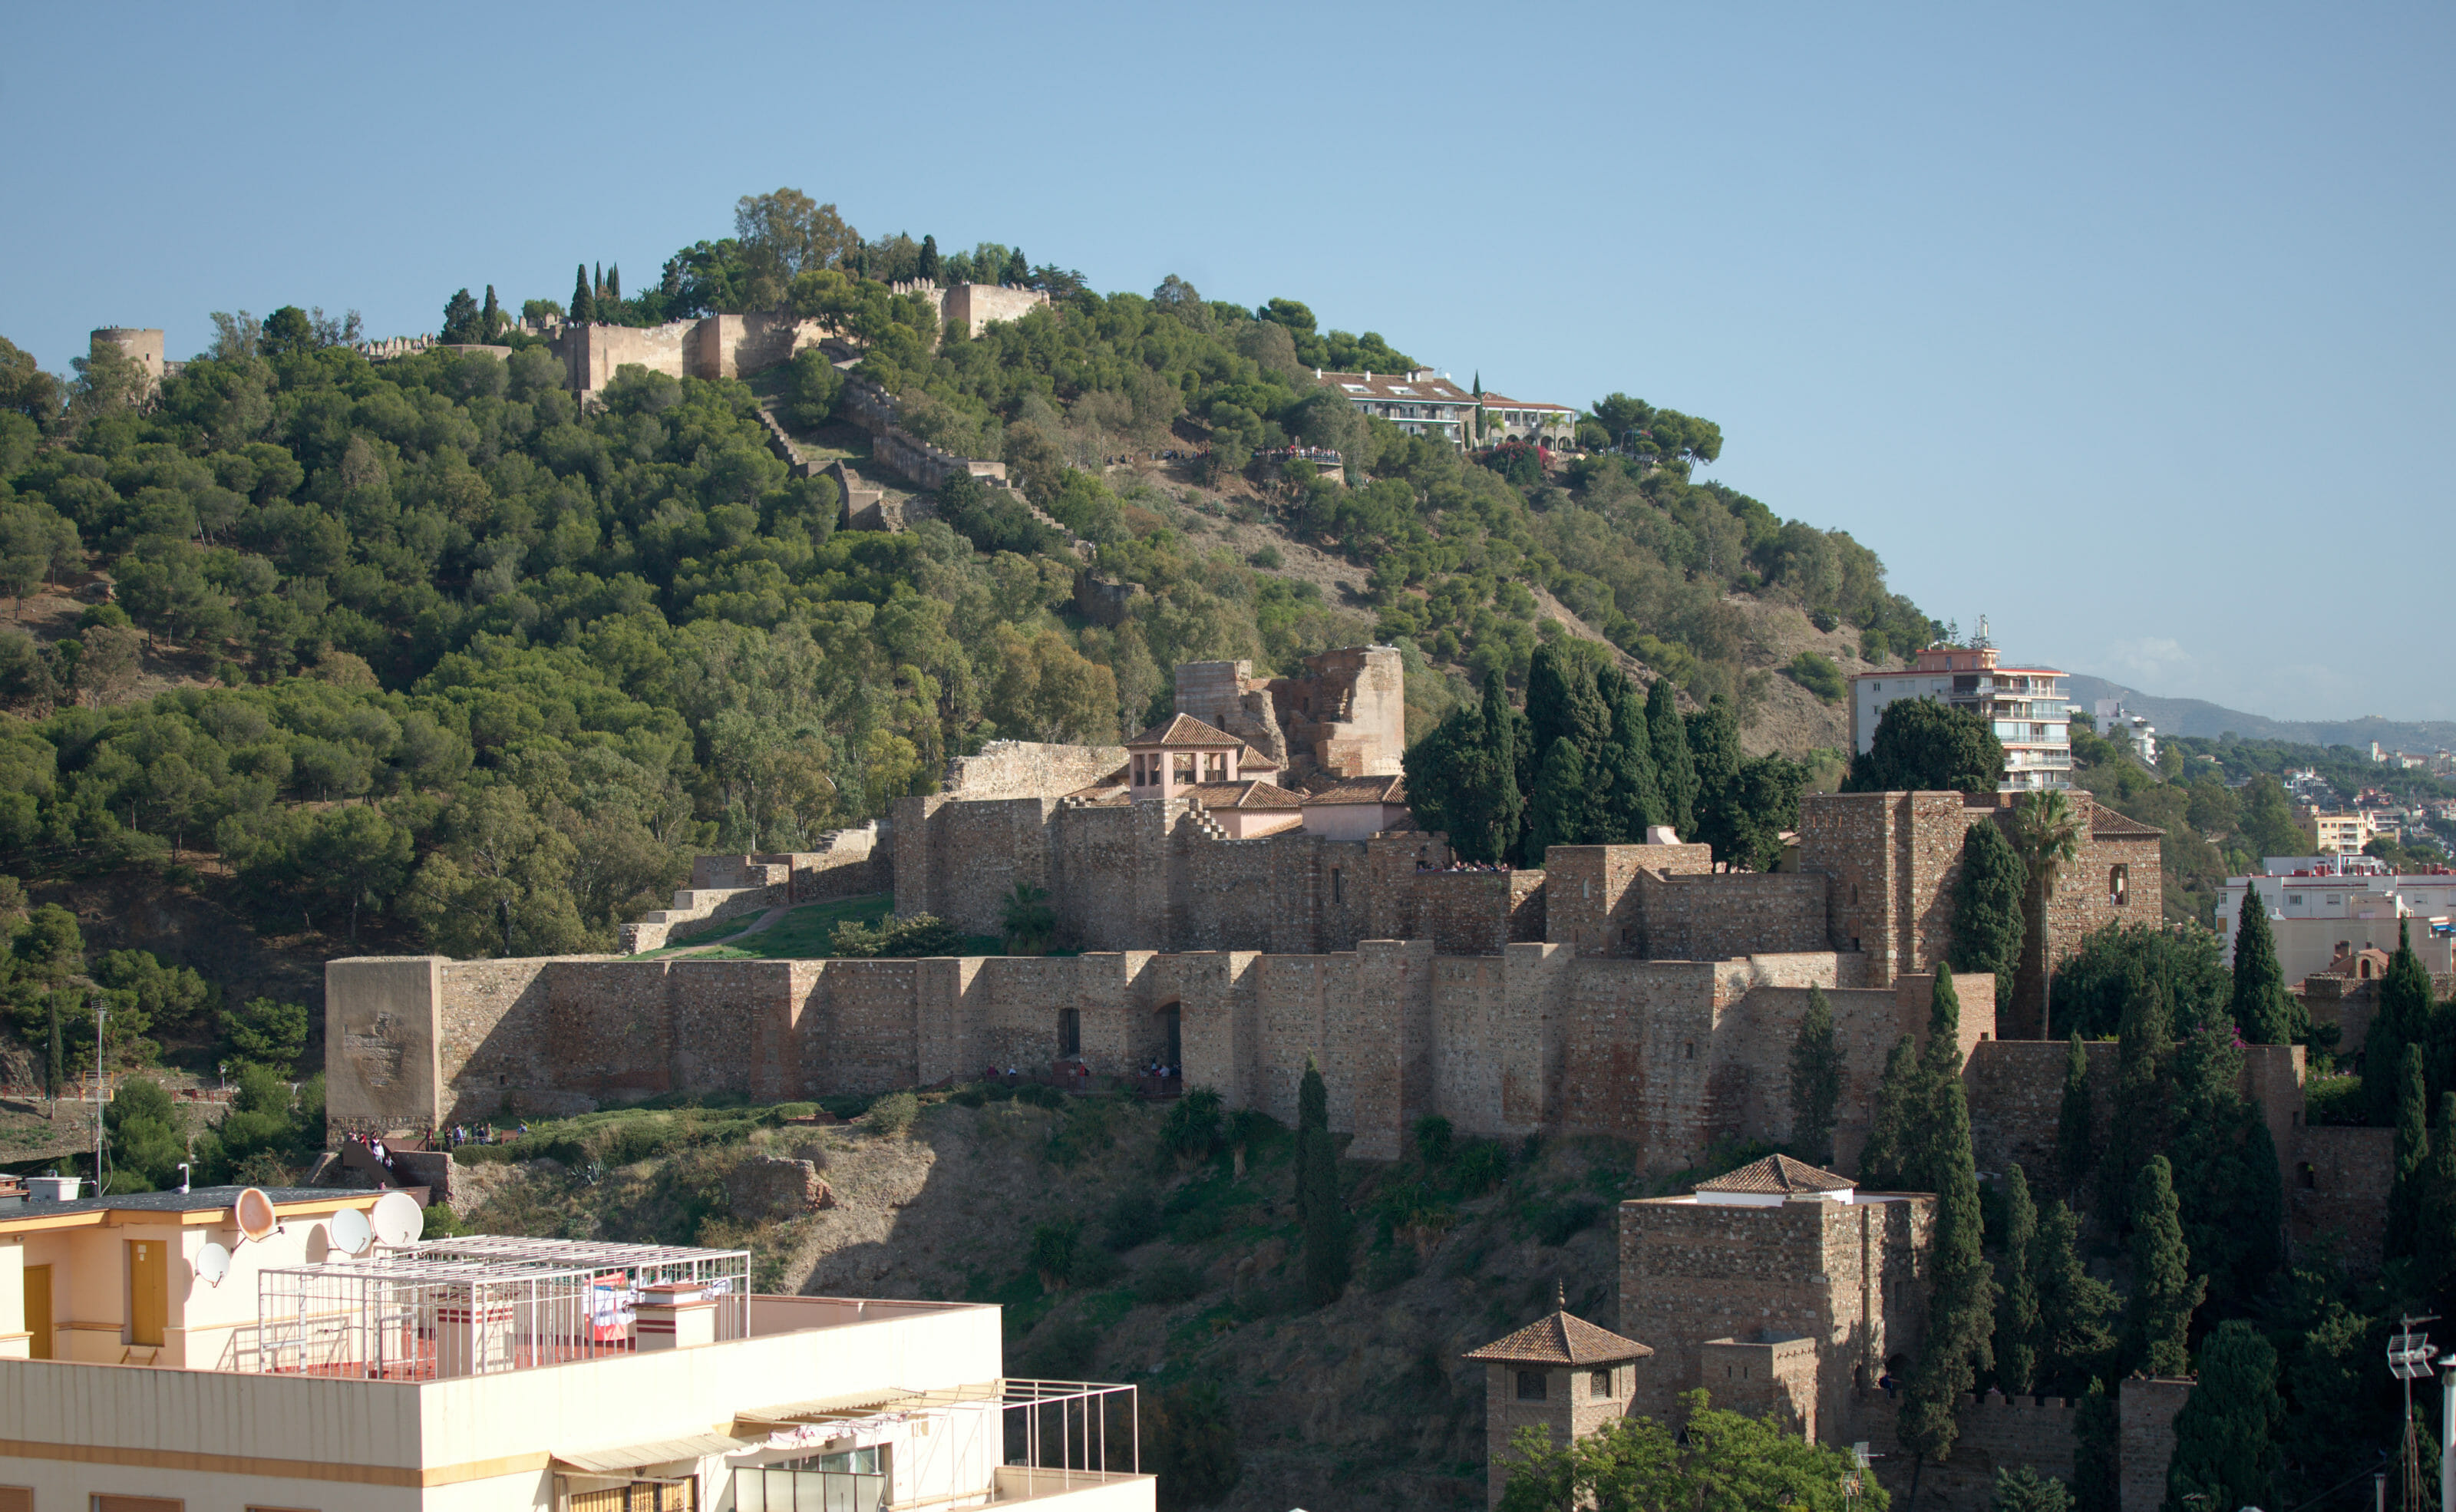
[1466, 865]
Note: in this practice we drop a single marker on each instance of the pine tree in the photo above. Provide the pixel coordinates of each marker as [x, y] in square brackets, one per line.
[1019, 268]
[490, 317]
[929, 269]
[1674, 773]
[2075, 1131]
[2412, 1158]
[614, 282]
[1962, 1306]
[460, 327]
[1503, 810]
[1988, 911]
[2261, 1006]
[1815, 1081]
[1890, 1122]
[1318, 1208]
[583, 301]
[2075, 1310]
[1633, 800]
[2224, 1450]
[2017, 1314]
[2024, 1489]
[2164, 1292]
[2404, 1017]
[1557, 813]
[2098, 1465]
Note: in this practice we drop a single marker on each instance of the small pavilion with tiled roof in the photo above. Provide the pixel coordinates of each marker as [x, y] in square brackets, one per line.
[1165, 759]
[1776, 1179]
[1561, 1373]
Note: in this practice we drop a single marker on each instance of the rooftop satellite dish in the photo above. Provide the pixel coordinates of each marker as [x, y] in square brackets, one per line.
[213, 1263]
[398, 1220]
[255, 1212]
[350, 1232]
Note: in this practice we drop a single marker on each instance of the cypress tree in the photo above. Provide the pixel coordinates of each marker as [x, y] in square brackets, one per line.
[2224, 1164]
[2018, 1315]
[2435, 1223]
[2076, 1343]
[596, 284]
[490, 317]
[2404, 1017]
[1634, 800]
[1674, 773]
[1961, 1307]
[2143, 1045]
[1815, 1081]
[1563, 702]
[1503, 810]
[2412, 1158]
[2224, 1450]
[1557, 813]
[583, 301]
[2075, 1131]
[1988, 912]
[929, 269]
[614, 282]
[1934, 1146]
[2164, 1292]
[2261, 1008]
[1318, 1208]
[2098, 1465]
[1890, 1122]
[1722, 804]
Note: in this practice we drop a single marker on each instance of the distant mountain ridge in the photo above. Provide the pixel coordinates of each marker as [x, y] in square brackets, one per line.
[2197, 717]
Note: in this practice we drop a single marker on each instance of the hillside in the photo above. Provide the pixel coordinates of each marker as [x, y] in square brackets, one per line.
[2206, 720]
[434, 653]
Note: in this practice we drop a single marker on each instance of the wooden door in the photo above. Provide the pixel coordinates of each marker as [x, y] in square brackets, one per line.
[38, 1311]
[149, 1291]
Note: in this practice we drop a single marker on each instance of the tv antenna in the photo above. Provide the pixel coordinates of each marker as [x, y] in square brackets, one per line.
[2409, 1354]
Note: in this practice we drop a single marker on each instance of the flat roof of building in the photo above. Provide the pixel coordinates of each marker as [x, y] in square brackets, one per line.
[201, 1199]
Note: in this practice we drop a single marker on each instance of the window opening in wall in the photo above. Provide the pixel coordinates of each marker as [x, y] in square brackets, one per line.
[1599, 1385]
[1184, 764]
[2307, 1176]
[1338, 885]
[1854, 895]
[2118, 886]
[1169, 1030]
[1690, 1051]
[1531, 1385]
[1070, 1033]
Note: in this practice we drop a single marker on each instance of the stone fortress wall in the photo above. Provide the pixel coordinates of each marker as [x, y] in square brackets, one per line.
[840, 864]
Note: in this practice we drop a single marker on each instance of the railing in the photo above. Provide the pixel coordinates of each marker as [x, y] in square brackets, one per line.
[763, 1489]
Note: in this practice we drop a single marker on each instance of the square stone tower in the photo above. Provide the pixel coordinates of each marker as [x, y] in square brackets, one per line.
[1558, 1373]
[1776, 1285]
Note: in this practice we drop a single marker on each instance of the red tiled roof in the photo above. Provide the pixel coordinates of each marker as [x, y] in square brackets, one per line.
[1778, 1174]
[1252, 793]
[1360, 790]
[1183, 730]
[1562, 1338]
[1497, 401]
[1397, 388]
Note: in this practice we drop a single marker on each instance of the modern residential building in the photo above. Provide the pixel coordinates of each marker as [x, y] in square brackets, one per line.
[1502, 419]
[2318, 903]
[2027, 706]
[220, 1350]
[1419, 401]
[2115, 722]
[2343, 834]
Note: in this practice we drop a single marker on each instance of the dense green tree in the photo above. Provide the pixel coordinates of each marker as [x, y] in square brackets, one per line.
[1743, 804]
[1891, 1122]
[146, 1144]
[2404, 1015]
[2093, 986]
[1720, 1461]
[1675, 774]
[2024, 1489]
[1815, 1081]
[2076, 1312]
[2262, 1008]
[583, 298]
[2224, 1161]
[2097, 1460]
[1632, 797]
[2018, 1315]
[1564, 704]
[2266, 824]
[463, 322]
[2434, 1225]
[2224, 1455]
[1190, 1445]
[1961, 1303]
[266, 1032]
[491, 318]
[1500, 813]
[1989, 918]
[2075, 1124]
[1320, 1208]
[2047, 833]
[2143, 1117]
[1555, 815]
[1921, 746]
[2164, 1291]
[2413, 1157]
[288, 331]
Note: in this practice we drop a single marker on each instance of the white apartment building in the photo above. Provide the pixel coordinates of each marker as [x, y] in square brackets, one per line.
[2317, 903]
[1420, 401]
[2027, 707]
[2115, 722]
[1507, 419]
[2344, 834]
[229, 1351]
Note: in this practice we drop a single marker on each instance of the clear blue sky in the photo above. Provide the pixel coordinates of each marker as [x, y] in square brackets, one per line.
[2127, 326]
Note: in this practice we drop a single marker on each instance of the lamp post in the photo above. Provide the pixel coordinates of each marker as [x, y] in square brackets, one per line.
[99, 1015]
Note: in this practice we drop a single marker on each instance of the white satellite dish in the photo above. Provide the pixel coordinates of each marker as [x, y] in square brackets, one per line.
[398, 1220]
[350, 1232]
[213, 1263]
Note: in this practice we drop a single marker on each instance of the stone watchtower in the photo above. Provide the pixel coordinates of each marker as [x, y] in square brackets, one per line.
[1561, 1374]
[1777, 1285]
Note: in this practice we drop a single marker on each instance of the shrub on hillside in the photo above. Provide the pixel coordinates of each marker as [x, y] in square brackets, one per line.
[1168, 1282]
[1816, 673]
[893, 1115]
[921, 934]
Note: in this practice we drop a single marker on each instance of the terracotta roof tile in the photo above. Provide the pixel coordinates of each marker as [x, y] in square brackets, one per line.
[1360, 790]
[2105, 823]
[1778, 1174]
[1562, 1338]
[1252, 793]
[1183, 729]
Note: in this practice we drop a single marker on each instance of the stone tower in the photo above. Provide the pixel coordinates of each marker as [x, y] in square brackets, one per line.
[1561, 1374]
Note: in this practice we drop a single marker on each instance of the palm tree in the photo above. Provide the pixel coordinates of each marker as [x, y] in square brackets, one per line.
[2047, 831]
[1029, 920]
